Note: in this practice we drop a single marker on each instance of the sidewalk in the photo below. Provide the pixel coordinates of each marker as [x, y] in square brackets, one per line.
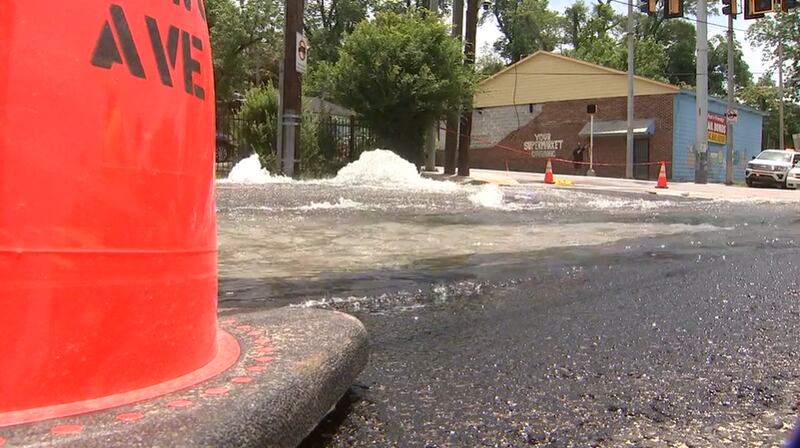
[686, 189]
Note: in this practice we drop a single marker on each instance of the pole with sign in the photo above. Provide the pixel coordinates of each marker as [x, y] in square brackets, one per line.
[295, 50]
[591, 110]
[731, 114]
[731, 117]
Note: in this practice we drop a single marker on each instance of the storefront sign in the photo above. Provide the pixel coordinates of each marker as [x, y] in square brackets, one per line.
[717, 129]
[543, 146]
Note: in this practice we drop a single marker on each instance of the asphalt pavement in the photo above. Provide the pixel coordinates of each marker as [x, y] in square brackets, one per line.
[681, 339]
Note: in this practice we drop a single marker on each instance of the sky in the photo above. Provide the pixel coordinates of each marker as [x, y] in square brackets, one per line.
[488, 33]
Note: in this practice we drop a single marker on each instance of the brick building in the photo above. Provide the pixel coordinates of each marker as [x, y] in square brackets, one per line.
[537, 109]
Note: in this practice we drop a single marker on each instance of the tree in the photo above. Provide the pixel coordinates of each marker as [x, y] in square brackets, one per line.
[574, 22]
[328, 21]
[650, 56]
[597, 39]
[763, 96]
[401, 72]
[770, 30]
[718, 67]
[527, 26]
[680, 39]
[488, 64]
[246, 42]
[259, 118]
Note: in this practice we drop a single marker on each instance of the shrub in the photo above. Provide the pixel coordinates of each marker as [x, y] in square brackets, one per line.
[259, 117]
[259, 121]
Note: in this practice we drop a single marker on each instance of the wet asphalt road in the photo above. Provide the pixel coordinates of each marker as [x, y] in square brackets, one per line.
[673, 340]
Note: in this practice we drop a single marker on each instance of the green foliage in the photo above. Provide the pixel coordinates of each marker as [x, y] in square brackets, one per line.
[767, 32]
[328, 21]
[598, 37]
[650, 59]
[718, 67]
[259, 117]
[259, 121]
[664, 49]
[680, 39]
[527, 26]
[488, 64]
[401, 72]
[573, 24]
[246, 41]
[593, 35]
[319, 80]
[763, 96]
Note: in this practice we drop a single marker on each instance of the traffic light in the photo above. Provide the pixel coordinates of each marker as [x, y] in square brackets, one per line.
[731, 7]
[648, 6]
[755, 9]
[786, 5]
[673, 9]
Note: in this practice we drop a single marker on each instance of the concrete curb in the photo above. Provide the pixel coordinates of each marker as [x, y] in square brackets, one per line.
[473, 179]
[294, 366]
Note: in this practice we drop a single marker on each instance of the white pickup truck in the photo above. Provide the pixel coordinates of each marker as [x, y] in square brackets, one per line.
[772, 167]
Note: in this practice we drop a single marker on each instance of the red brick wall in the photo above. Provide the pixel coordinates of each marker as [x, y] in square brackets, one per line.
[564, 120]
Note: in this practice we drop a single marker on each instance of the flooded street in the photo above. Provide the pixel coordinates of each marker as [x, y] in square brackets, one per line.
[311, 230]
[279, 238]
[529, 315]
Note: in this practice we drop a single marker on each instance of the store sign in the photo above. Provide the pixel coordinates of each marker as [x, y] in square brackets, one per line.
[543, 146]
[717, 129]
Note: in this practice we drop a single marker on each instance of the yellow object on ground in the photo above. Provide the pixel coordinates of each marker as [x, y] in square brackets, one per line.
[563, 182]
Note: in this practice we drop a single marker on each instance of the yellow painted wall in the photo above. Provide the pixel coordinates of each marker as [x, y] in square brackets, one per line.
[545, 77]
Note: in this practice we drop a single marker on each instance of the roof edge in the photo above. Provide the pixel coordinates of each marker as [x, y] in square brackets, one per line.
[725, 102]
[675, 89]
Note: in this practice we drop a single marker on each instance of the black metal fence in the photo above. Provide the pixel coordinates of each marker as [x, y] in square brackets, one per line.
[230, 145]
[341, 139]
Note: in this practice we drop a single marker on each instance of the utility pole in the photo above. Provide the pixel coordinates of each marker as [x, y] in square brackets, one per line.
[290, 103]
[781, 141]
[591, 172]
[629, 134]
[731, 104]
[451, 134]
[433, 131]
[465, 132]
[701, 119]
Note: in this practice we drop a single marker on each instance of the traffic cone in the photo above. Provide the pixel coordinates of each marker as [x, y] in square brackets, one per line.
[548, 173]
[662, 177]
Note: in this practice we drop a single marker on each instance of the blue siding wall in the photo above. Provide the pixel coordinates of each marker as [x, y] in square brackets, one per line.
[747, 140]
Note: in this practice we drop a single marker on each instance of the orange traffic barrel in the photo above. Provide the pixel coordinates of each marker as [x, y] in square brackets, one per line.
[108, 280]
